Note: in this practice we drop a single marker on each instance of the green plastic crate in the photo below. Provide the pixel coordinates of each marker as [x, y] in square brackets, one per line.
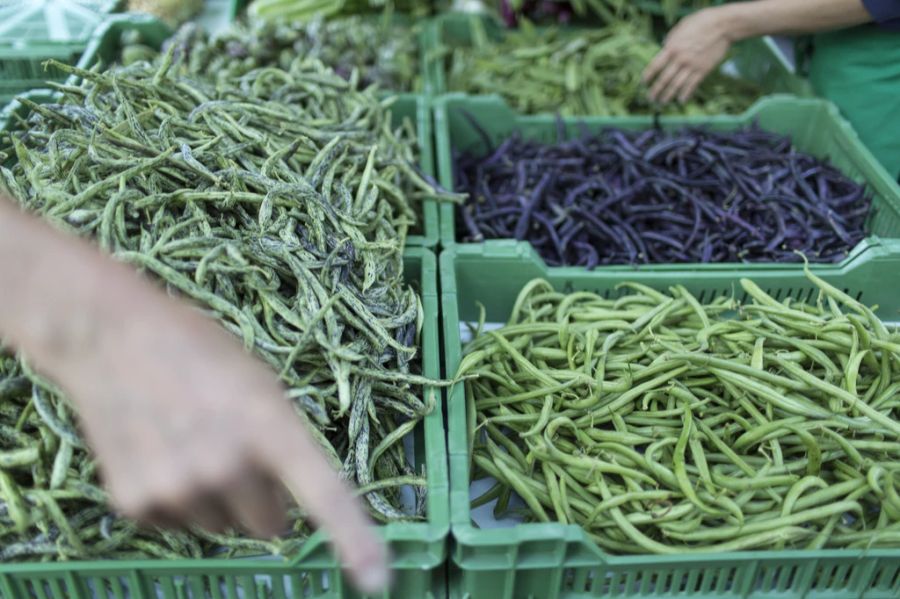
[418, 549]
[757, 60]
[556, 561]
[105, 48]
[32, 31]
[238, 7]
[814, 125]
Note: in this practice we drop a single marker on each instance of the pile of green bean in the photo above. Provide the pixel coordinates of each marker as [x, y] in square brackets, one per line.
[596, 71]
[369, 50]
[279, 204]
[663, 425]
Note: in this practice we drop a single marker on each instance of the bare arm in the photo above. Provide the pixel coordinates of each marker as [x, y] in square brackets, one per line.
[185, 425]
[771, 17]
[699, 42]
[53, 302]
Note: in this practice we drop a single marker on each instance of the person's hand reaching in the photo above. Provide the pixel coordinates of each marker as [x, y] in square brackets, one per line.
[691, 51]
[189, 429]
[699, 42]
[186, 427]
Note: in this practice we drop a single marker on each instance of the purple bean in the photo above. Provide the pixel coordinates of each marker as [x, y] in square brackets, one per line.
[551, 232]
[536, 196]
[499, 212]
[499, 152]
[573, 194]
[664, 239]
[589, 255]
[471, 225]
[569, 235]
[664, 147]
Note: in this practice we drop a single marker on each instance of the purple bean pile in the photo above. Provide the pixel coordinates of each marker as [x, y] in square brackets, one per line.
[653, 196]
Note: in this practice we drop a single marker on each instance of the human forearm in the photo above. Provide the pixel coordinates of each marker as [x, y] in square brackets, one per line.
[700, 41]
[56, 291]
[742, 20]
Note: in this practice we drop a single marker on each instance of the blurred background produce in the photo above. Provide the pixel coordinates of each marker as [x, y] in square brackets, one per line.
[171, 12]
[595, 70]
[374, 50]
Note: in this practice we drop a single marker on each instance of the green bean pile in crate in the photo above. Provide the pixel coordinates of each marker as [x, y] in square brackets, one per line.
[280, 212]
[663, 425]
[591, 71]
[368, 50]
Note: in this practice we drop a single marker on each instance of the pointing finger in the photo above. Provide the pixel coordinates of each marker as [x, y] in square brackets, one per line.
[256, 503]
[688, 89]
[302, 467]
[656, 65]
[662, 82]
[676, 85]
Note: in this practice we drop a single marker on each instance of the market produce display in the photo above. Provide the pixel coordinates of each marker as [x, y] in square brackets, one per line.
[595, 70]
[281, 208]
[368, 50]
[269, 175]
[655, 196]
[661, 424]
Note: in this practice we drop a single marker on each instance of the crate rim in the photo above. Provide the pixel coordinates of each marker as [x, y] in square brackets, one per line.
[573, 546]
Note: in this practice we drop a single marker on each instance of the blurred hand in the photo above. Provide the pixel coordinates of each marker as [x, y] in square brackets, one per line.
[692, 49]
[189, 429]
[186, 427]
